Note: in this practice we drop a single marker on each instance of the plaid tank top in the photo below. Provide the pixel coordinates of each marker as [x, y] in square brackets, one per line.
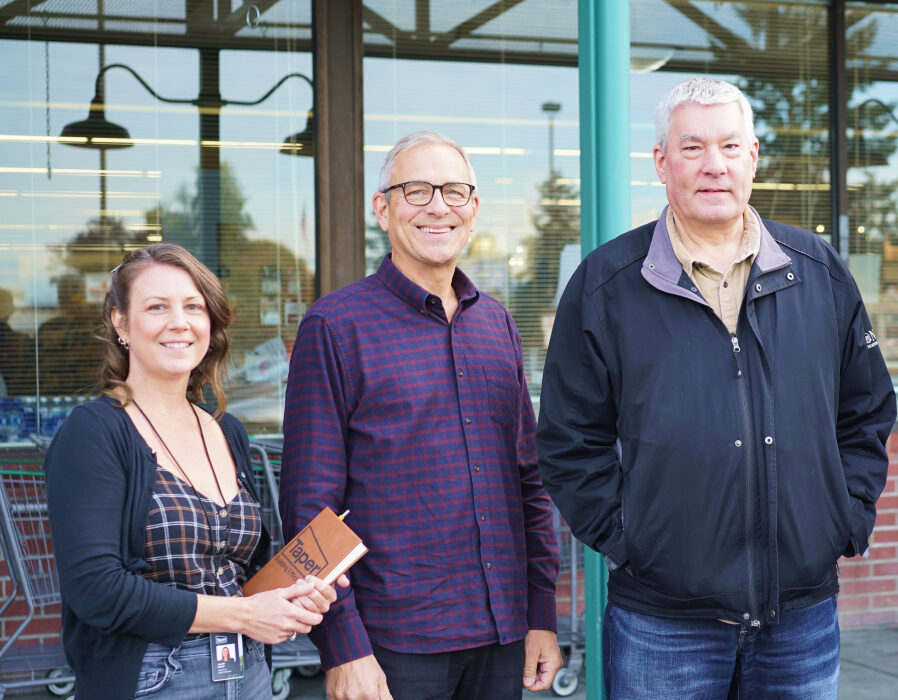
[185, 553]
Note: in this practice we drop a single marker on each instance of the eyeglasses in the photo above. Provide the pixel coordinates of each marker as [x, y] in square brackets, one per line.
[419, 194]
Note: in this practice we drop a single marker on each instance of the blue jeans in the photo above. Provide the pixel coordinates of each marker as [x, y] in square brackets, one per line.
[185, 672]
[655, 657]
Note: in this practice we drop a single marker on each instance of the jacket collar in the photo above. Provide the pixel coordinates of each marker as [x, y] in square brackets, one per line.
[662, 266]
[770, 255]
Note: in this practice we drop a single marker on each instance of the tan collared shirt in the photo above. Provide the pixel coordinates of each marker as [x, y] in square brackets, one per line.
[722, 289]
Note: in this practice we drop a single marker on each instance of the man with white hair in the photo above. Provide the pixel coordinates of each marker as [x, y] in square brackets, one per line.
[713, 420]
[406, 404]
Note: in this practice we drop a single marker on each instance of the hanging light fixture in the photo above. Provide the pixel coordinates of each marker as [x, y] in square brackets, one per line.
[96, 130]
[301, 143]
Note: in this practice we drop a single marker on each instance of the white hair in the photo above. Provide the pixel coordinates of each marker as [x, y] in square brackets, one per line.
[703, 91]
[419, 138]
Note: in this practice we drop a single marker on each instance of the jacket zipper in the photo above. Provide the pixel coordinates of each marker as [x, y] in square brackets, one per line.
[749, 472]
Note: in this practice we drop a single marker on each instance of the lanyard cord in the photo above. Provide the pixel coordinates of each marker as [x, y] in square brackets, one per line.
[190, 483]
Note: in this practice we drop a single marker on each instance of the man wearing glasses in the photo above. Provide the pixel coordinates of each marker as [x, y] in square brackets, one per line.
[407, 404]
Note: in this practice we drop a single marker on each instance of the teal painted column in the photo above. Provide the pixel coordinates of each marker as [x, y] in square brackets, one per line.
[604, 44]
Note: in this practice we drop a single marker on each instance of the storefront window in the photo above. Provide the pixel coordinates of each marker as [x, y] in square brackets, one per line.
[777, 54]
[872, 92]
[517, 118]
[500, 80]
[181, 154]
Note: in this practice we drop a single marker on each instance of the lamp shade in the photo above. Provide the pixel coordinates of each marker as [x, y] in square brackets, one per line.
[97, 130]
[302, 143]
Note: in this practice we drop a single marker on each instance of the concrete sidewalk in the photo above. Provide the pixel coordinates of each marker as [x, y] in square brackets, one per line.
[869, 667]
[869, 671]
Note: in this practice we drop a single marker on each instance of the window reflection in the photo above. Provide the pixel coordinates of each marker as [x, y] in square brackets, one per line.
[777, 53]
[193, 170]
[69, 354]
[482, 74]
[873, 166]
[16, 350]
[527, 172]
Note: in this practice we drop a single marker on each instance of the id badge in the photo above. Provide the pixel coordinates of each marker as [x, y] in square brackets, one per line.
[226, 654]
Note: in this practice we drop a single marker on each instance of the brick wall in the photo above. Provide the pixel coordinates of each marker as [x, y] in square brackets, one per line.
[869, 587]
[27, 489]
[44, 626]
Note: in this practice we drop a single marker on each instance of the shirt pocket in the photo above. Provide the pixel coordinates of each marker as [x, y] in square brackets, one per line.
[503, 391]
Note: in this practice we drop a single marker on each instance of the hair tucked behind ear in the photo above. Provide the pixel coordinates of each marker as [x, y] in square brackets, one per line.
[212, 370]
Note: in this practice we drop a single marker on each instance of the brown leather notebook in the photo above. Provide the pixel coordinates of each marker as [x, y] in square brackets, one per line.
[325, 548]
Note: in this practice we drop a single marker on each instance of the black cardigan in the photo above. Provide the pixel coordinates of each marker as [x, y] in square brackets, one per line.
[100, 479]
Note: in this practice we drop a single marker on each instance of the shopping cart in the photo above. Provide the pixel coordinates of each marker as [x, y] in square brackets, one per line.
[28, 552]
[298, 654]
[570, 628]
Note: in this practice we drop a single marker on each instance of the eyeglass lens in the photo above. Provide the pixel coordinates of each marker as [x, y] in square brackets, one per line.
[455, 194]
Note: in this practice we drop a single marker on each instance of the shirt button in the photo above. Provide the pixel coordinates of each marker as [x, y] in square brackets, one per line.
[476, 467]
[746, 616]
[468, 421]
[222, 513]
[483, 516]
[772, 614]
[694, 289]
[726, 284]
[790, 277]
[220, 570]
[738, 443]
[460, 372]
[757, 287]
[423, 311]
[221, 545]
[768, 440]
[488, 566]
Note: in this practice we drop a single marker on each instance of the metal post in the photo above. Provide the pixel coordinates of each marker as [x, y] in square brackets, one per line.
[838, 173]
[101, 92]
[604, 58]
[551, 109]
[209, 102]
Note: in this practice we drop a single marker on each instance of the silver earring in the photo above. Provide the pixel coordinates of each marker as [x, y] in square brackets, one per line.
[123, 343]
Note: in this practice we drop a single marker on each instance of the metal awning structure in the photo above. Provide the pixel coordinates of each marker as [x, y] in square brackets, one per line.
[497, 31]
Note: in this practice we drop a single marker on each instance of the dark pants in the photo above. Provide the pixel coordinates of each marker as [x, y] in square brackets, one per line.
[495, 671]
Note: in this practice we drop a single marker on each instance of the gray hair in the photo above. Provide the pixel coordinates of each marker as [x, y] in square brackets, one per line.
[703, 91]
[419, 138]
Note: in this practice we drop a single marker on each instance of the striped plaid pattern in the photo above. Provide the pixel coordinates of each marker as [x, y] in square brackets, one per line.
[181, 549]
[425, 431]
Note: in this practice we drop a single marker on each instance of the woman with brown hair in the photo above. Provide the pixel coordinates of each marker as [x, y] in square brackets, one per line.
[155, 519]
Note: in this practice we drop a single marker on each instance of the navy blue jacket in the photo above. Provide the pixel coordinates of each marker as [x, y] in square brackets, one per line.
[100, 480]
[721, 475]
